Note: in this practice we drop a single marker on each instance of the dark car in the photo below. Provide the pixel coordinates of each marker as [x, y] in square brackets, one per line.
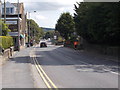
[27, 44]
[59, 43]
[43, 44]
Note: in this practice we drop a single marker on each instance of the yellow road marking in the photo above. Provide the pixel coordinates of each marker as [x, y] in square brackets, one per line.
[46, 75]
[45, 81]
[43, 74]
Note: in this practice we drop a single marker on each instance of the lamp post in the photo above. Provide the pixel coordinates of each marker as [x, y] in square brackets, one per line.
[34, 28]
[18, 27]
[29, 27]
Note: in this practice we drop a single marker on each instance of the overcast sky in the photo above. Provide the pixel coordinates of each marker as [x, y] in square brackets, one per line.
[47, 11]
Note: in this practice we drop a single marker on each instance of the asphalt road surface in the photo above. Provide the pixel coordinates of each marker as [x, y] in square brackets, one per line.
[68, 68]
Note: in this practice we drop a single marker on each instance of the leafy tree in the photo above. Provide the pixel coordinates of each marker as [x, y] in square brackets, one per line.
[5, 29]
[98, 22]
[35, 31]
[49, 34]
[65, 25]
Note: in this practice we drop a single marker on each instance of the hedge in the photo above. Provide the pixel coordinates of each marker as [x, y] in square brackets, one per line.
[6, 42]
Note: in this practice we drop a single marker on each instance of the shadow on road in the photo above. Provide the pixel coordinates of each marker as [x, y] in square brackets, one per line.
[82, 61]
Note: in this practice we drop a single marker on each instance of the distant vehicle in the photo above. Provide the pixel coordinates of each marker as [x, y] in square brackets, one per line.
[43, 44]
[49, 39]
[27, 44]
[59, 43]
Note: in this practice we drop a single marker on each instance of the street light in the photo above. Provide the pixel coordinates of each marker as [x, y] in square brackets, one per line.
[29, 27]
[18, 28]
[34, 28]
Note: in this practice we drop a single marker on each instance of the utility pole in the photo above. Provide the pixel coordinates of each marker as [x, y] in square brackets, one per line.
[4, 11]
[18, 27]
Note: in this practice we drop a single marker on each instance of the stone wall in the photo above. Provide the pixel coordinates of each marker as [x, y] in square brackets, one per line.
[106, 50]
[6, 55]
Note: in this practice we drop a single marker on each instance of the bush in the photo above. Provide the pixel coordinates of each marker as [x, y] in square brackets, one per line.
[60, 39]
[6, 42]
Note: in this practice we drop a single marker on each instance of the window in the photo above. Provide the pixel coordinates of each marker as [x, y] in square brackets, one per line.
[7, 11]
[3, 10]
[11, 10]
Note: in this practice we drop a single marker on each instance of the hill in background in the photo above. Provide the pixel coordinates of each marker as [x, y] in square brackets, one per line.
[47, 29]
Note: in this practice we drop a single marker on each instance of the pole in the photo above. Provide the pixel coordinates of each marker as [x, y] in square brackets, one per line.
[34, 31]
[29, 28]
[18, 28]
[4, 11]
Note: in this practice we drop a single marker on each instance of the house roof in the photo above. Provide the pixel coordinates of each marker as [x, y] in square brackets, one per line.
[21, 7]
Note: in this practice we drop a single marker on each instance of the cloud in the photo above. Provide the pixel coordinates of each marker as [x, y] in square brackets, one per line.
[40, 17]
[47, 11]
[65, 2]
[68, 2]
[62, 9]
[46, 5]
[43, 6]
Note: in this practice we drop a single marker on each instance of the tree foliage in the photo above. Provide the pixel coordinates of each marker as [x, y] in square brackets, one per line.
[65, 25]
[35, 30]
[49, 34]
[5, 29]
[98, 22]
[6, 42]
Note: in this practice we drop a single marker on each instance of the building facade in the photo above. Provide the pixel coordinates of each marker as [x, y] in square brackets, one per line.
[0, 19]
[16, 23]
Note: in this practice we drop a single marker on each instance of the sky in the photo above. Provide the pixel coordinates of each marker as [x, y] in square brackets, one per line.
[47, 11]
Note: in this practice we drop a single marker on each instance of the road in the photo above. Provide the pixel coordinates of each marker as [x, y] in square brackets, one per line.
[68, 68]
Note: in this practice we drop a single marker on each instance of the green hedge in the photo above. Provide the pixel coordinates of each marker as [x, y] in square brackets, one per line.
[6, 42]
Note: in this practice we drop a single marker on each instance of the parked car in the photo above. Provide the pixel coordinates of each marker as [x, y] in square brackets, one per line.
[43, 44]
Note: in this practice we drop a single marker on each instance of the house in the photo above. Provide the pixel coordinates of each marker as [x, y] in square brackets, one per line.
[0, 9]
[0, 19]
[12, 20]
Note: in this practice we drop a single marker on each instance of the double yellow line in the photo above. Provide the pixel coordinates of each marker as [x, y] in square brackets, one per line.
[43, 75]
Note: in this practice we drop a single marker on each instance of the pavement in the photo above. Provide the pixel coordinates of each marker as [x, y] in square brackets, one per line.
[19, 72]
[16, 72]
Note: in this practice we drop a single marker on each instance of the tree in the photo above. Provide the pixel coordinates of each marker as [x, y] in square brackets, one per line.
[35, 31]
[49, 34]
[98, 22]
[65, 25]
[5, 29]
